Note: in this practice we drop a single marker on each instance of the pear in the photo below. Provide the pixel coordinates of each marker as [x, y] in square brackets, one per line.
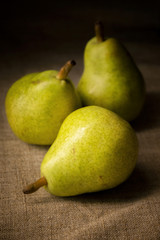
[37, 104]
[110, 78]
[95, 150]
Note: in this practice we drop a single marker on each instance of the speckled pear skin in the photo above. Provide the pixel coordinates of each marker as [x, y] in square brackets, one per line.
[37, 104]
[111, 79]
[95, 150]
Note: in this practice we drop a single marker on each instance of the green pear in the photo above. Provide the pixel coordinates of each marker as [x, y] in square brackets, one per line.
[110, 78]
[37, 104]
[95, 150]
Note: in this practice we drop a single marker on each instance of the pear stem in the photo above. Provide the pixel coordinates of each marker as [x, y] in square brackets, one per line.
[35, 186]
[99, 31]
[63, 73]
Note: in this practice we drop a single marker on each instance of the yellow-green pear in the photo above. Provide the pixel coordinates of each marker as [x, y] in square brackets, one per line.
[37, 104]
[111, 78]
[95, 150]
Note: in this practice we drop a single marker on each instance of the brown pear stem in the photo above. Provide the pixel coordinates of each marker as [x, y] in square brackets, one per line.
[63, 73]
[99, 31]
[35, 186]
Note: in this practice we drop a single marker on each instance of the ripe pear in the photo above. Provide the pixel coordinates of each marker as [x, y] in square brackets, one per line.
[110, 78]
[37, 104]
[95, 150]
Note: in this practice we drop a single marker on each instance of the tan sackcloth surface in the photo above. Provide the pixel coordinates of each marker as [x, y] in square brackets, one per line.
[129, 212]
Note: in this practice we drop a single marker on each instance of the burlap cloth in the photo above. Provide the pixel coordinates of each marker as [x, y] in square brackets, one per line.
[128, 212]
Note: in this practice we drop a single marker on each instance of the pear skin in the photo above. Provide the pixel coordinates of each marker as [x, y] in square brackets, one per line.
[111, 78]
[95, 150]
[37, 104]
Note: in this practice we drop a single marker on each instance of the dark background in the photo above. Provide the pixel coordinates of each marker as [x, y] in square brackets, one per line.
[72, 20]
[48, 34]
